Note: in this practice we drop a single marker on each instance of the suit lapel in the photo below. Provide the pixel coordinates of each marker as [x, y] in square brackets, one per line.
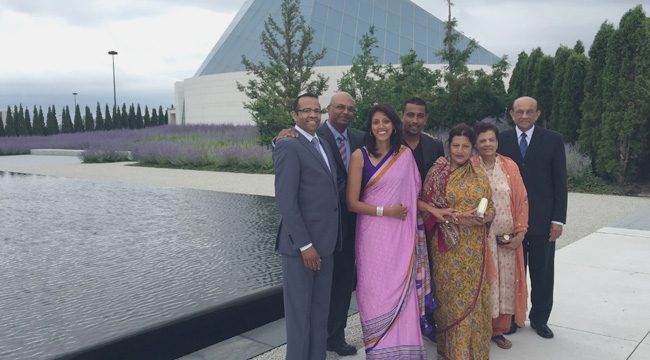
[536, 141]
[325, 134]
[510, 140]
[312, 149]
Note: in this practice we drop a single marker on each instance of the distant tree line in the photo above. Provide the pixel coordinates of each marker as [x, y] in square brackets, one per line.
[18, 121]
[599, 101]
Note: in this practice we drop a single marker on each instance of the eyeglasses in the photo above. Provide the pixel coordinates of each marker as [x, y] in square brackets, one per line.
[341, 107]
[530, 112]
[308, 111]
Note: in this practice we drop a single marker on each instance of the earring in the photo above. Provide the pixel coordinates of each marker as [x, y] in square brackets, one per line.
[371, 134]
[394, 131]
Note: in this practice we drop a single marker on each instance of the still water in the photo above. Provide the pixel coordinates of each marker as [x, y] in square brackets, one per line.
[82, 262]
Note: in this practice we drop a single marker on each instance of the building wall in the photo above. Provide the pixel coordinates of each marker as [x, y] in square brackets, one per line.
[214, 99]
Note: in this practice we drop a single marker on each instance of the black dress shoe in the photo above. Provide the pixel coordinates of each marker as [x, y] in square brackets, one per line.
[542, 330]
[513, 329]
[342, 348]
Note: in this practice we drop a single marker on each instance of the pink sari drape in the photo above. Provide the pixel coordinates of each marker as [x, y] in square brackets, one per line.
[392, 264]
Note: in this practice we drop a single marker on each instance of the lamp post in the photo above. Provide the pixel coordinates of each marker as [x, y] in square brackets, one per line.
[112, 53]
[75, 100]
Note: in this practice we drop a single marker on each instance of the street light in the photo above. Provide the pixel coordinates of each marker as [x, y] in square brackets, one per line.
[112, 54]
[75, 100]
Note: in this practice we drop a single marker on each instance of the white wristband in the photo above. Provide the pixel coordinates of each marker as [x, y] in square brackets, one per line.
[380, 211]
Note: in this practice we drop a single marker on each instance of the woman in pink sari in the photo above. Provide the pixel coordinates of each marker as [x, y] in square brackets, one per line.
[393, 286]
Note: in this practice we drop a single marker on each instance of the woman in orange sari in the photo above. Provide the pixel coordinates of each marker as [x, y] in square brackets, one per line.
[508, 291]
[458, 250]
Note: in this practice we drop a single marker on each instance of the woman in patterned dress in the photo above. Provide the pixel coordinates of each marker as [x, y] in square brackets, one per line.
[458, 250]
[506, 272]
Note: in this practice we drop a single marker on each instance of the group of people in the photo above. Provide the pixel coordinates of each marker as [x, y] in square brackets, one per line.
[388, 208]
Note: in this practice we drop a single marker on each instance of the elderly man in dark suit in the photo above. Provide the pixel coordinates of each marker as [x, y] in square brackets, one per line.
[306, 194]
[541, 158]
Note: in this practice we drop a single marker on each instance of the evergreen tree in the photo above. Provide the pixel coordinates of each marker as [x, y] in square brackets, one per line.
[516, 84]
[146, 118]
[579, 47]
[166, 118]
[362, 81]
[132, 123]
[285, 75]
[572, 96]
[66, 121]
[108, 122]
[592, 106]
[161, 116]
[531, 71]
[543, 88]
[38, 126]
[125, 117]
[19, 121]
[52, 125]
[99, 120]
[139, 123]
[28, 122]
[10, 127]
[89, 122]
[117, 118]
[561, 56]
[78, 122]
[626, 120]
[154, 117]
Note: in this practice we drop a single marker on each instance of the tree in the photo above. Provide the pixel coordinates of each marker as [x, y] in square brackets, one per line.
[124, 118]
[579, 47]
[10, 127]
[531, 71]
[625, 122]
[139, 124]
[132, 122]
[28, 122]
[52, 125]
[287, 74]
[362, 80]
[561, 56]
[117, 118]
[89, 121]
[154, 117]
[592, 106]
[516, 84]
[166, 118]
[78, 122]
[108, 122]
[543, 88]
[572, 96]
[66, 121]
[39, 126]
[146, 118]
[19, 121]
[162, 118]
[2, 127]
[99, 120]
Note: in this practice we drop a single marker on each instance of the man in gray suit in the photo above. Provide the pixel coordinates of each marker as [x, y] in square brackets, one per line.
[310, 230]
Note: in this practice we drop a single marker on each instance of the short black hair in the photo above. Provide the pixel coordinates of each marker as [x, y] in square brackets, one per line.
[481, 127]
[295, 102]
[416, 101]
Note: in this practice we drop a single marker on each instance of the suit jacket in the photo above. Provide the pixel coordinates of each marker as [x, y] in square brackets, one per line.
[307, 196]
[432, 150]
[544, 173]
[356, 141]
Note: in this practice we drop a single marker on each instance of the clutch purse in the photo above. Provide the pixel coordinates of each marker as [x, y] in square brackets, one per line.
[504, 239]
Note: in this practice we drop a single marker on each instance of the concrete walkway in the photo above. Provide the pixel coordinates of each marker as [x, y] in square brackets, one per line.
[602, 288]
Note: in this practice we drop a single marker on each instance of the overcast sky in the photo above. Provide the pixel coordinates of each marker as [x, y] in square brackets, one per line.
[50, 50]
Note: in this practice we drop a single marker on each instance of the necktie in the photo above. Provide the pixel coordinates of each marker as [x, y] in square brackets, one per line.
[342, 150]
[315, 141]
[523, 144]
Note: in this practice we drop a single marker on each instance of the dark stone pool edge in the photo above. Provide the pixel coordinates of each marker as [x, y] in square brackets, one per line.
[190, 333]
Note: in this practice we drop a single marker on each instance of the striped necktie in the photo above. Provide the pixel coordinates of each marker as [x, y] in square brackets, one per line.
[342, 150]
[523, 145]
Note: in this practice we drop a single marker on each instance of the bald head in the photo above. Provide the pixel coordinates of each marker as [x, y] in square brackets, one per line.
[524, 112]
[340, 111]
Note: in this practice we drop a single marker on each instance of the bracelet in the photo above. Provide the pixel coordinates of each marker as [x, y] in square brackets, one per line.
[380, 211]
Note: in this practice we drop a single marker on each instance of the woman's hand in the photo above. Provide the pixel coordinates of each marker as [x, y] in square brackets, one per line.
[398, 211]
[515, 241]
[445, 215]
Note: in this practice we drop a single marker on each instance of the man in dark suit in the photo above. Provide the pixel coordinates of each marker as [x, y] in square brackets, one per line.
[306, 193]
[541, 158]
[343, 141]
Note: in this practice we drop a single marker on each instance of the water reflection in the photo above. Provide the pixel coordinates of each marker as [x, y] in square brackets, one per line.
[84, 261]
